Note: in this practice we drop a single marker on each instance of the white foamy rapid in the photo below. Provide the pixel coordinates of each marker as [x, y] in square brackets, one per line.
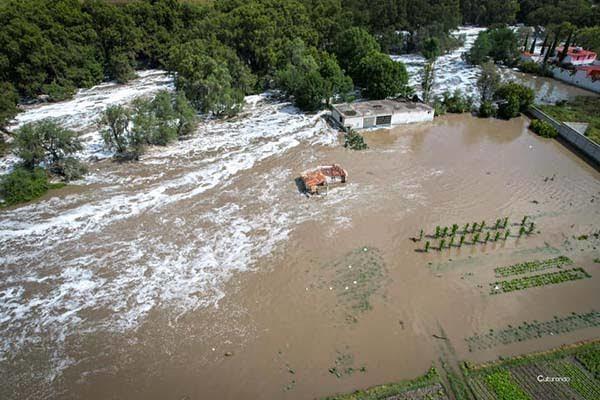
[161, 234]
[453, 72]
[82, 112]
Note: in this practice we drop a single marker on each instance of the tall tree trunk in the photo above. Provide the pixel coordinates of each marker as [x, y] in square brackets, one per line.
[553, 47]
[565, 51]
[526, 41]
[544, 44]
[532, 48]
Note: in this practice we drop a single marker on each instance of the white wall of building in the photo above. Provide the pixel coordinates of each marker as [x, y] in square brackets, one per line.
[411, 117]
[579, 78]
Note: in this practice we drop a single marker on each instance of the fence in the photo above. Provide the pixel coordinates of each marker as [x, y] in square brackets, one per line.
[580, 142]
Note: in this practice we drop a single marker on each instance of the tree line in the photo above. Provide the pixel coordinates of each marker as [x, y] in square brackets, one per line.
[225, 49]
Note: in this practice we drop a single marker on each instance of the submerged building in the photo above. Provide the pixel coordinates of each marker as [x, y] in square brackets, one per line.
[380, 113]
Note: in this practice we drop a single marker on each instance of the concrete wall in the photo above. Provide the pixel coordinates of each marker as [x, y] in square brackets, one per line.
[579, 78]
[411, 117]
[571, 136]
[397, 119]
[345, 121]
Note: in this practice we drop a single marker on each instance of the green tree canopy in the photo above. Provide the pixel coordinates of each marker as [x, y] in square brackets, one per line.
[381, 77]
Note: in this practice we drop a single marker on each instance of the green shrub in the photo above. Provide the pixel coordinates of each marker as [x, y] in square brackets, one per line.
[486, 109]
[22, 185]
[543, 128]
[531, 67]
[457, 102]
[515, 98]
[355, 141]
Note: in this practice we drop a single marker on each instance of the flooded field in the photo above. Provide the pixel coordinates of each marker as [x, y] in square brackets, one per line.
[202, 271]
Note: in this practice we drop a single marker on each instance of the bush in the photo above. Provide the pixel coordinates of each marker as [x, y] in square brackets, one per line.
[22, 185]
[543, 128]
[69, 168]
[439, 107]
[381, 77]
[509, 108]
[457, 102]
[45, 141]
[531, 67]
[486, 109]
[515, 98]
[355, 141]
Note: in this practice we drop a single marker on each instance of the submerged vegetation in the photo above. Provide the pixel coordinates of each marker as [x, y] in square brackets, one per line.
[533, 266]
[454, 236]
[550, 278]
[532, 330]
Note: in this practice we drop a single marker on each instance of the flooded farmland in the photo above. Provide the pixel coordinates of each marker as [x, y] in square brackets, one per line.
[182, 277]
[203, 272]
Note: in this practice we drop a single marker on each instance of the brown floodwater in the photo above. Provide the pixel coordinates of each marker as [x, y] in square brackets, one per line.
[335, 281]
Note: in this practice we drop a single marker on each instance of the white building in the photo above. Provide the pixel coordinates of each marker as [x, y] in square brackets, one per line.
[576, 56]
[380, 113]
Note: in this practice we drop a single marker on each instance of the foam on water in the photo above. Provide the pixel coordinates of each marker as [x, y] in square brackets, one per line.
[81, 263]
[453, 72]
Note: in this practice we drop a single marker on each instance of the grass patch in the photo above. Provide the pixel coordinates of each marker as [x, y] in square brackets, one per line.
[580, 109]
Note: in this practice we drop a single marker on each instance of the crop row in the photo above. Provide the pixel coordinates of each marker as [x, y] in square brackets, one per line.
[536, 329]
[501, 223]
[501, 383]
[527, 282]
[589, 357]
[533, 266]
[526, 377]
[583, 384]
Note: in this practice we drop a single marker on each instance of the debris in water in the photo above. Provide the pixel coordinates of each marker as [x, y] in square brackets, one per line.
[322, 177]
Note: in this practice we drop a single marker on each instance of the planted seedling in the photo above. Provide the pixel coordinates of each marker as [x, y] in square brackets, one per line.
[462, 240]
[487, 237]
[426, 246]
[476, 238]
[506, 234]
[524, 220]
[442, 243]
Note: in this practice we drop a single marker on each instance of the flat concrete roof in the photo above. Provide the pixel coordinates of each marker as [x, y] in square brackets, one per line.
[379, 107]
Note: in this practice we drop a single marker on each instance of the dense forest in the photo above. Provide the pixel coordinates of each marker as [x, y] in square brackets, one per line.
[222, 50]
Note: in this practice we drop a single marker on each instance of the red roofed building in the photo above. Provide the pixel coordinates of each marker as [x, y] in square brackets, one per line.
[577, 56]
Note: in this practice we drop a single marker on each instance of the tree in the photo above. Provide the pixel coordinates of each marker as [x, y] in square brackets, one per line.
[431, 50]
[23, 185]
[499, 44]
[352, 46]
[382, 77]
[187, 120]
[514, 98]
[311, 77]
[481, 49]
[8, 102]
[488, 81]
[46, 142]
[211, 76]
[118, 135]
[589, 39]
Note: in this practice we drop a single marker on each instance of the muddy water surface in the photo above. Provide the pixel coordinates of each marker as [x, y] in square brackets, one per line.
[184, 277]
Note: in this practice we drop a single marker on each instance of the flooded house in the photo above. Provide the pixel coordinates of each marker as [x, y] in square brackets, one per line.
[322, 177]
[380, 113]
